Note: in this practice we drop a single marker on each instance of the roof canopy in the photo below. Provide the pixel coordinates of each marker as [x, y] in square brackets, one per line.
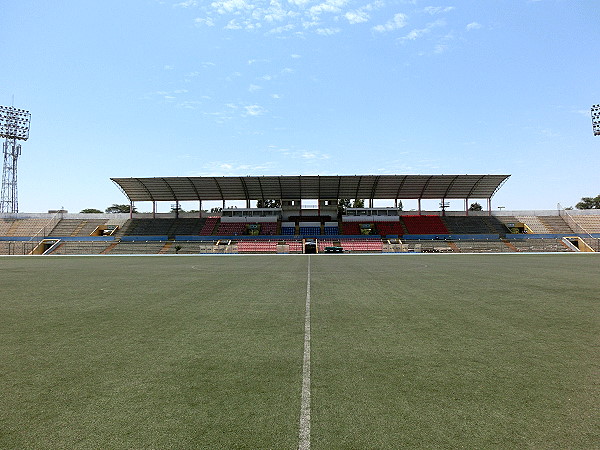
[311, 187]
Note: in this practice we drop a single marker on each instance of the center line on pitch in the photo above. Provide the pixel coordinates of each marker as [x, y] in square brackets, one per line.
[304, 435]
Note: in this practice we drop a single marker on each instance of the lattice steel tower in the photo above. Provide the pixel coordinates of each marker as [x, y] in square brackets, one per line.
[596, 119]
[14, 126]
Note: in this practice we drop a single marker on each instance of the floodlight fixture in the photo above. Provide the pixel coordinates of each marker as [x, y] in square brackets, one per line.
[14, 126]
[14, 123]
[596, 119]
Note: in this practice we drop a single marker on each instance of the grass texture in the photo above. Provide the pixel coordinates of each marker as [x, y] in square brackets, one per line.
[420, 351]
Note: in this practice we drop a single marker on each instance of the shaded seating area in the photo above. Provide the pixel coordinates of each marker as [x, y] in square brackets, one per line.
[469, 225]
[209, 226]
[268, 228]
[231, 229]
[424, 225]
[351, 228]
[389, 228]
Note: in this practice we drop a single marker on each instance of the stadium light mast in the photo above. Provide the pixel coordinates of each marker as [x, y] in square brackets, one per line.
[596, 119]
[14, 126]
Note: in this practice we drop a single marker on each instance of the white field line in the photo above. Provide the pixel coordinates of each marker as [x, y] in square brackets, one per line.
[304, 433]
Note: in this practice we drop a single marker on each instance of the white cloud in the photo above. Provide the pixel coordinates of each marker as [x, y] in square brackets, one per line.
[254, 110]
[189, 104]
[473, 26]
[209, 22]
[186, 4]
[254, 88]
[299, 3]
[228, 6]
[314, 155]
[169, 67]
[294, 56]
[327, 31]
[282, 29]
[329, 6]
[417, 33]
[225, 168]
[399, 21]
[357, 16]
[361, 14]
[437, 9]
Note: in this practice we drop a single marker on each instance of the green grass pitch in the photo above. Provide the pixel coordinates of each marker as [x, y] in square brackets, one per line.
[427, 351]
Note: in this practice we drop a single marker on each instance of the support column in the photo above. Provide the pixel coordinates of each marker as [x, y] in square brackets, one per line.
[177, 209]
[153, 209]
[419, 201]
[466, 206]
[489, 206]
[131, 209]
[199, 209]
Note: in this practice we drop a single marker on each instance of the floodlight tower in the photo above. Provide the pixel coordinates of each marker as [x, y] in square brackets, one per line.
[14, 125]
[596, 119]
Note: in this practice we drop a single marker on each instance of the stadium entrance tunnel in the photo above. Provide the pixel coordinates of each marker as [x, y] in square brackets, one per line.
[310, 246]
[43, 247]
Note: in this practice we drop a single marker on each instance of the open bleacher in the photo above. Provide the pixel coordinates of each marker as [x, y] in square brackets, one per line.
[76, 227]
[26, 227]
[473, 233]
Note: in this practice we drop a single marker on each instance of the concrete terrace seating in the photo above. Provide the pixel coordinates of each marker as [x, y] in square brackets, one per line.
[76, 227]
[594, 243]
[17, 247]
[137, 247]
[424, 225]
[431, 246]
[81, 247]
[534, 224]
[192, 247]
[23, 227]
[591, 224]
[539, 245]
[481, 246]
[164, 227]
[556, 224]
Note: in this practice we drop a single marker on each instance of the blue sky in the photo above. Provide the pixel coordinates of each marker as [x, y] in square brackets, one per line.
[149, 88]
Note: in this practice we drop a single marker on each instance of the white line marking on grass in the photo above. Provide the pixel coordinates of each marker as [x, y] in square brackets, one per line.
[304, 434]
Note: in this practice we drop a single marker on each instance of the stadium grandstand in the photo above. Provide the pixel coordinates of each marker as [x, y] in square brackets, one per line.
[296, 228]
